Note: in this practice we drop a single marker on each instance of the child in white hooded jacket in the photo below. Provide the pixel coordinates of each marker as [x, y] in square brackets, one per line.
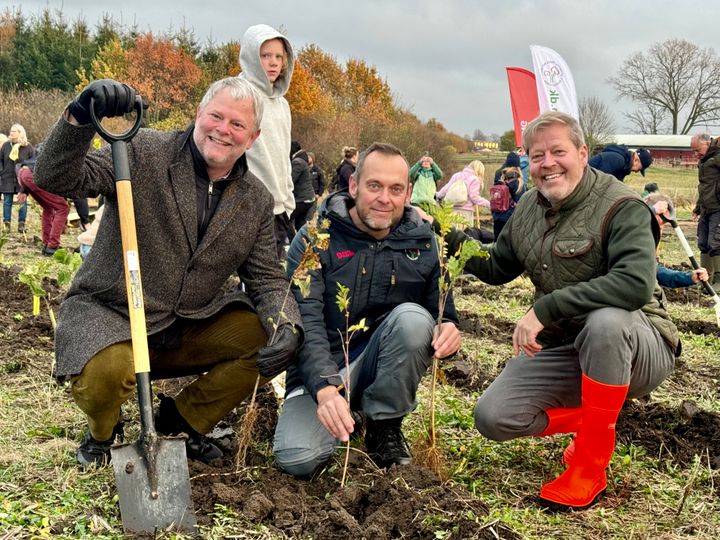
[267, 61]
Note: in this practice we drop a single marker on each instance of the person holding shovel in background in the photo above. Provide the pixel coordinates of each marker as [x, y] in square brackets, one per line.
[597, 332]
[202, 216]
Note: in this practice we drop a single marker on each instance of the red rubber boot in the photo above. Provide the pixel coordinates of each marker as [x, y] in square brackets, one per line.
[584, 481]
[565, 420]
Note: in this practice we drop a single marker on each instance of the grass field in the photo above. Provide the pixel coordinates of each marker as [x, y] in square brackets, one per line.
[664, 483]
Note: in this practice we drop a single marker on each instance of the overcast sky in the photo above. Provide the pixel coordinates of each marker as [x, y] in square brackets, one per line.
[442, 58]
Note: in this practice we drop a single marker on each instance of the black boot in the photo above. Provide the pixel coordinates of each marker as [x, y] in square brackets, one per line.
[94, 452]
[168, 421]
[385, 442]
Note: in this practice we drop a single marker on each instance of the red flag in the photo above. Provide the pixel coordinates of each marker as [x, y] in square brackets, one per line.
[523, 98]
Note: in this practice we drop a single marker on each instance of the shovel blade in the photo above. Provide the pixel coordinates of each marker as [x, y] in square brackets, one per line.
[172, 508]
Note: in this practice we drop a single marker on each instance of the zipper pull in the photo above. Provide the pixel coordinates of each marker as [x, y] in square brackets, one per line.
[210, 193]
[392, 279]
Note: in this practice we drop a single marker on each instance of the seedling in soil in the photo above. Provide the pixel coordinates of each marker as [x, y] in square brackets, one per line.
[342, 300]
[35, 273]
[451, 268]
[310, 260]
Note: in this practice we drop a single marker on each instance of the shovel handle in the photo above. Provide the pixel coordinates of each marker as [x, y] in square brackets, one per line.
[115, 137]
[688, 251]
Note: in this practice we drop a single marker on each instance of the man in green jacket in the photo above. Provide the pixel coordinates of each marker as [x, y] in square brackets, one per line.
[707, 209]
[597, 332]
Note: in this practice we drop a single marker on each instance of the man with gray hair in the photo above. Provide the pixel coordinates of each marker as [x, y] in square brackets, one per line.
[597, 332]
[707, 210]
[201, 216]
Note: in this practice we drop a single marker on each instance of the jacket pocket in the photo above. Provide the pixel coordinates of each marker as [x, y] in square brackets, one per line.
[572, 247]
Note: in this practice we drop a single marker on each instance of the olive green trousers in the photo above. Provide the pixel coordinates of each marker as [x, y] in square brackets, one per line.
[221, 349]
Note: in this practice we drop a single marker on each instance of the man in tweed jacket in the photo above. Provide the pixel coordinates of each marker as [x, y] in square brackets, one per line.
[201, 216]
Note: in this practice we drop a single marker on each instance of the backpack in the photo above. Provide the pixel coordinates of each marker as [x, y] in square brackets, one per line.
[500, 198]
[458, 193]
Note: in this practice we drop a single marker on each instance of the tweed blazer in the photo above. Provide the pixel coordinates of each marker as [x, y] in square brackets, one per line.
[181, 277]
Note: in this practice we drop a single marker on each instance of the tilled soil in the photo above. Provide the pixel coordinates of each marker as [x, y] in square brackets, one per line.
[406, 502]
[20, 331]
[678, 434]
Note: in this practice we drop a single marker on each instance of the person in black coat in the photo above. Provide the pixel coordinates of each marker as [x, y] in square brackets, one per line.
[302, 190]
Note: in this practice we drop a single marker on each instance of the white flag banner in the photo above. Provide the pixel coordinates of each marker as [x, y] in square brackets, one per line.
[555, 83]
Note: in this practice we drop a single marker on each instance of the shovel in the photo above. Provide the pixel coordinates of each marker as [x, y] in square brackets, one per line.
[152, 474]
[688, 251]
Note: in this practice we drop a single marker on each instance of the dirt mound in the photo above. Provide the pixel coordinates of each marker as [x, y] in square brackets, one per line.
[406, 502]
[464, 372]
[700, 328]
[679, 434]
[488, 326]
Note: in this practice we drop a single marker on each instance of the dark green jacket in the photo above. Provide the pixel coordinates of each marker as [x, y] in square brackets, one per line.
[709, 180]
[596, 250]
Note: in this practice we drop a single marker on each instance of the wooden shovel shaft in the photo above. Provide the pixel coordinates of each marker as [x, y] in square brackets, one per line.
[133, 281]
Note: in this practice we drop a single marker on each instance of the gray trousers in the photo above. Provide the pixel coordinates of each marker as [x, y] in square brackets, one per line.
[615, 347]
[384, 380]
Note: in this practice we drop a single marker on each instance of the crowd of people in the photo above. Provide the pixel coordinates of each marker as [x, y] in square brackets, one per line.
[233, 194]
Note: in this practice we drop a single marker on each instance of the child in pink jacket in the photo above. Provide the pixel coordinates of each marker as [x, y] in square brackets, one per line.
[472, 176]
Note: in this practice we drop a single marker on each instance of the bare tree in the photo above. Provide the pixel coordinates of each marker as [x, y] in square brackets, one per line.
[596, 121]
[676, 79]
[649, 119]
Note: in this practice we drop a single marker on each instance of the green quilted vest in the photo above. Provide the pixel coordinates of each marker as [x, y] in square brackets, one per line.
[570, 247]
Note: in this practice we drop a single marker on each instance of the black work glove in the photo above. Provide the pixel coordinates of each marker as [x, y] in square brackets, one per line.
[111, 99]
[274, 358]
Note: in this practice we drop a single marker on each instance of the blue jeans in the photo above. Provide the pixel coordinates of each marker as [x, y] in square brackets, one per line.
[7, 209]
[386, 376]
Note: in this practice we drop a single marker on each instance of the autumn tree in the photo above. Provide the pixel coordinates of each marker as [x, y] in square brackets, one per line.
[219, 61]
[366, 88]
[164, 74]
[110, 62]
[676, 79]
[596, 121]
[507, 141]
[325, 69]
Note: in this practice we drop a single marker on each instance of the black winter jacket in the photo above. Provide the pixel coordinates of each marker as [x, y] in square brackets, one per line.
[709, 180]
[381, 274]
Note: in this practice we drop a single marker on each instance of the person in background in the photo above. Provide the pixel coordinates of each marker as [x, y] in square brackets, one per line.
[302, 190]
[345, 170]
[55, 209]
[512, 178]
[267, 61]
[424, 176]
[83, 211]
[86, 238]
[472, 179]
[597, 332]
[524, 164]
[317, 177]
[662, 206]
[619, 161]
[371, 227]
[201, 217]
[649, 189]
[16, 150]
[707, 209]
